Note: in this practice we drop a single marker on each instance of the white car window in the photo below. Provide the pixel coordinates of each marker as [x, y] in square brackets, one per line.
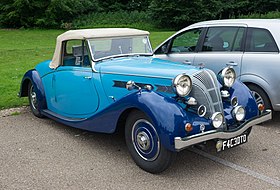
[260, 40]
[223, 39]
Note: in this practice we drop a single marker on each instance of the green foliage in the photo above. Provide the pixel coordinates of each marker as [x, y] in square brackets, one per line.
[42, 13]
[132, 19]
[148, 14]
[180, 13]
[126, 5]
[234, 8]
[269, 15]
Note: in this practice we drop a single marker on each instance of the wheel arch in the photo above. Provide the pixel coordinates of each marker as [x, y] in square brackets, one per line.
[123, 117]
[260, 87]
[24, 87]
[167, 116]
[258, 82]
[32, 76]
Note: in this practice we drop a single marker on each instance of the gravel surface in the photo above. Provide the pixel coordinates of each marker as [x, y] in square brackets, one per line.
[13, 111]
[43, 154]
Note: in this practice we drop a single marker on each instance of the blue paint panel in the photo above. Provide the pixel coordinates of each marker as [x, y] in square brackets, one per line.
[145, 66]
[167, 115]
[245, 99]
[77, 92]
[120, 92]
[33, 76]
[43, 68]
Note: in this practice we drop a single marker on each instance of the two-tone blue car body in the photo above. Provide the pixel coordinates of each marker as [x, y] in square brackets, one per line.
[104, 79]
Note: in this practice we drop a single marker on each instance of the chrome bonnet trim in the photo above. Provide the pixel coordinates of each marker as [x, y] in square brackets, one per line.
[181, 143]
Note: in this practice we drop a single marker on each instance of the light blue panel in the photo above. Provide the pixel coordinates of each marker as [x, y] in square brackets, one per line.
[145, 66]
[43, 68]
[75, 93]
[117, 92]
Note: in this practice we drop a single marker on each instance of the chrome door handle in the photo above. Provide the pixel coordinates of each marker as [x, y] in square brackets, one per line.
[187, 62]
[87, 78]
[232, 63]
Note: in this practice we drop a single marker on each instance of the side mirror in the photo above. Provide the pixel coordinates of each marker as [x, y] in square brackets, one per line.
[164, 49]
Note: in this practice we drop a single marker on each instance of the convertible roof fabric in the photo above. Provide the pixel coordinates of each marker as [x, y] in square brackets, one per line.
[90, 34]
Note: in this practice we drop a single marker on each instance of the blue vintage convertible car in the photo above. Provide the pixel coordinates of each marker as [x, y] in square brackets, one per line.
[102, 80]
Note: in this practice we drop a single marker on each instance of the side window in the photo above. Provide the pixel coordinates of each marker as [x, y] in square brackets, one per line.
[223, 39]
[163, 48]
[75, 54]
[186, 42]
[260, 40]
[239, 39]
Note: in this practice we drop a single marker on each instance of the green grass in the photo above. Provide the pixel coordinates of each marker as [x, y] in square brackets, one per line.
[21, 50]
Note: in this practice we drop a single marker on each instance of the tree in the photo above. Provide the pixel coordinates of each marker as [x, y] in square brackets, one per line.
[180, 13]
[42, 13]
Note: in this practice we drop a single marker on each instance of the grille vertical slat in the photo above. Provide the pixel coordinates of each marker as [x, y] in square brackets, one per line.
[206, 91]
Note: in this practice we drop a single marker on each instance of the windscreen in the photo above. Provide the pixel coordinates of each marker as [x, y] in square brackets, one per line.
[118, 46]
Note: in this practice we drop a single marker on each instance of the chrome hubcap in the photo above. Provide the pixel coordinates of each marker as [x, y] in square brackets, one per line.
[258, 98]
[143, 141]
[33, 98]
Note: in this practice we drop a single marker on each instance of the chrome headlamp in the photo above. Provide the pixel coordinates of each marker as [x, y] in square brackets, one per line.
[239, 113]
[217, 119]
[182, 85]
[228, 76]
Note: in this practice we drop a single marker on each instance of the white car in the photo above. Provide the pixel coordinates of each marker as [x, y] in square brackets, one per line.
[251, 46]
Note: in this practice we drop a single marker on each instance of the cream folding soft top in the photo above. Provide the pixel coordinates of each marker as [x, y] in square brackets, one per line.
[90, 33]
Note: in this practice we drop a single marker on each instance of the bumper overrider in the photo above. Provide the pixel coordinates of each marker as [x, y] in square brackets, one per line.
[181, 143]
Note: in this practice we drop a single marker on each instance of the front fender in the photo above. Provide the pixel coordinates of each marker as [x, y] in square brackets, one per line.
[245, 98]
[168, 117]
[33, 77]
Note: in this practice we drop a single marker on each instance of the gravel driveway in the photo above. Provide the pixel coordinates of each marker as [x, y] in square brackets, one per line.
[43, 154]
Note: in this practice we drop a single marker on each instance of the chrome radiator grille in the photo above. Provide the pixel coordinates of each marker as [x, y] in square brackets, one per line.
[206, 91]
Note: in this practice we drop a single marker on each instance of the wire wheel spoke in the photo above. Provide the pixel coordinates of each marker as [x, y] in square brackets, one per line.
[258, 98]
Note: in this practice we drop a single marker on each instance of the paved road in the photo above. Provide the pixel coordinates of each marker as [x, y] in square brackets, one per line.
[42, 154]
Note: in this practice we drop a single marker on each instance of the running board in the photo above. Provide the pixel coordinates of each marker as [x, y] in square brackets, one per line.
[49, 113]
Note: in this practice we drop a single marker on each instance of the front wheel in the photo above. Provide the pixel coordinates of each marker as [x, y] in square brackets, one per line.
[260, 96]
[33, 101]
[144, 144]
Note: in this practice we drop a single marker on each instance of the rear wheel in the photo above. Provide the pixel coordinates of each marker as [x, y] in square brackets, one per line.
[145, 145]
[260, 96]
[33, 101]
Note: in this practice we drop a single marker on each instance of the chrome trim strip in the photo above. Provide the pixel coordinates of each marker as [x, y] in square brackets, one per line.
[181, 143]
[122, 55]
[91, 57]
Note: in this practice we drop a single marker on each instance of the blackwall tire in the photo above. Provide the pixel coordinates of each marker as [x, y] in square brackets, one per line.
[33, 101]
[144, 144]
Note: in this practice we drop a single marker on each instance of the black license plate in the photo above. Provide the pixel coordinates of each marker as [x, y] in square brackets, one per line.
[230, 143]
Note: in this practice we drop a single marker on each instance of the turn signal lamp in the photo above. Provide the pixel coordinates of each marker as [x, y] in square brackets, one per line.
[261, 107]
[188, 127]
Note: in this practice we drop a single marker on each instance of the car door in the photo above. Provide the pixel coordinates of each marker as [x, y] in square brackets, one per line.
[74, 93]
[181, 48]
[260, 66]
[222, 46]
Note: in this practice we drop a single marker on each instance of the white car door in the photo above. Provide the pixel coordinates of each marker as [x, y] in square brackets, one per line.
[260, 67]
[181, 48]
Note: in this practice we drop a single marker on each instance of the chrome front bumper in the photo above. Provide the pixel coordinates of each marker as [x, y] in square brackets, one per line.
[181, 143]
